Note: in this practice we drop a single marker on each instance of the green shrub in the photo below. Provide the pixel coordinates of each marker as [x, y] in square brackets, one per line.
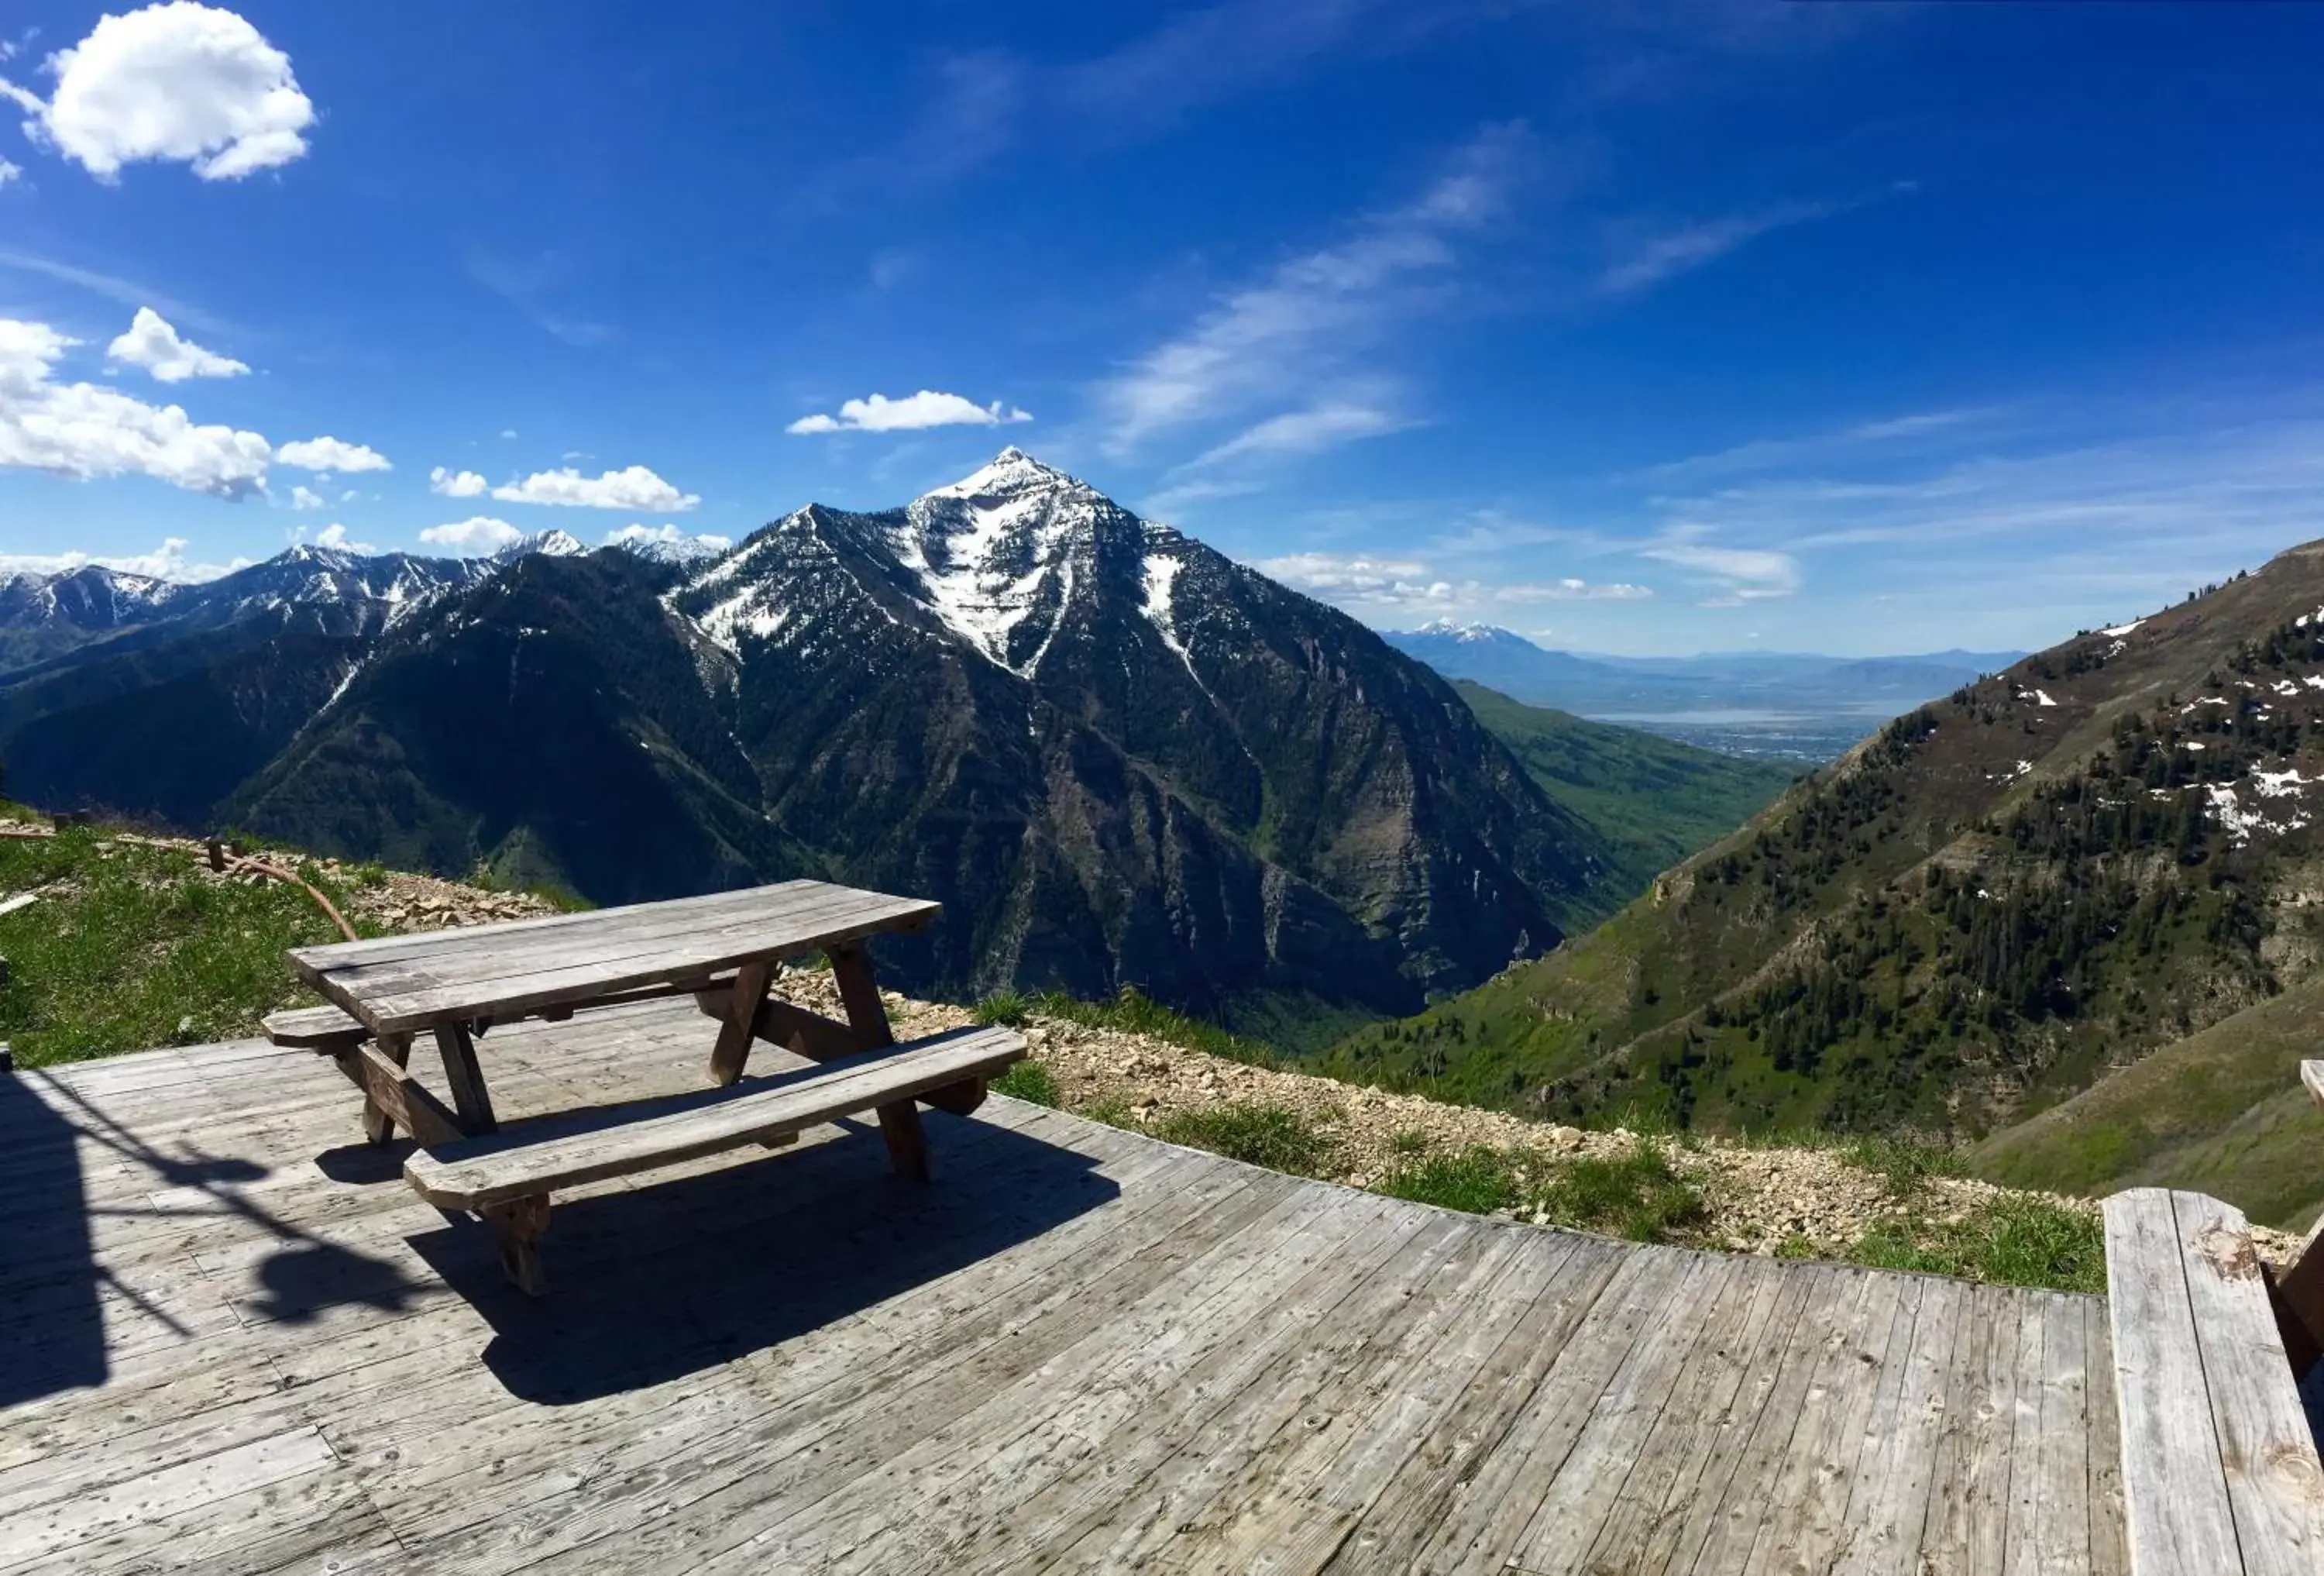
[1003, 1007]
[1029, 1082]
[1272, 1136]
[1478, 1179]
[1636, 1196]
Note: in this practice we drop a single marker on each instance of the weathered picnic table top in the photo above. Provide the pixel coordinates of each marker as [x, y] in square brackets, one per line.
[401, 983]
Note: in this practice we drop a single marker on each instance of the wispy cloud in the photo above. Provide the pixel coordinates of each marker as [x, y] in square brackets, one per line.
[1691, 247]
[1296, 329]
[1884, 438]
[1308, 431]
[128, 292]
[1731, 576]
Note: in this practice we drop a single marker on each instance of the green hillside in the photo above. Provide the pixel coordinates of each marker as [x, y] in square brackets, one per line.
[1974, 915]
[1654, 801]
[2221, 1111]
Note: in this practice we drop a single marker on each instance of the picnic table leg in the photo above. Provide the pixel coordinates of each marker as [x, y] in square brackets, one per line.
[520, 1224]
[900, 1124]
[378, 1126]
[741, 1022]
[466, 1078]
[851, 966]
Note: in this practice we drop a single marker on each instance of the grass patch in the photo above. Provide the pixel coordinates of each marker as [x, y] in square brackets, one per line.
[2007, 1242]
[1478, 1179]
[1004, 1008]
[130, 947]
[1134, 1013]
[1115, 1112]
[1410, 1141]
[1638, 1195]
[1029, 1082]
[1272, 1136]
[1904, 1161]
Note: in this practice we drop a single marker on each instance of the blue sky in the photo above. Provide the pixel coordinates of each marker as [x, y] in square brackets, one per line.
[1652, 328]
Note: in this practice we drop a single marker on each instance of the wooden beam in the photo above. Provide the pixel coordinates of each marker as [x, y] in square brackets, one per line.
[867, 1015]
[400, 1098]
[2298, 1297]
[908, 1145]
[737, 1028]
[850, 967]
[795, 1028]
[520, 1224]
[466, 1078]
[378, 1125]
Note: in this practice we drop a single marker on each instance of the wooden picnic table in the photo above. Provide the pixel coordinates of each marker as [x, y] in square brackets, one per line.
[454, 985]
[722, 949]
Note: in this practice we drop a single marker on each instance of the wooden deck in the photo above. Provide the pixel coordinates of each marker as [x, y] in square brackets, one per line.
[232, 1340]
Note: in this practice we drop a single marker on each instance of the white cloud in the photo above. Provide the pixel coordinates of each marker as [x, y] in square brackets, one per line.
[476, 536]
[636, 488]
[1736, 574]
[1281, 336]
[1691, 247]
[1356, 576]
[183, 82]
[1308, 431]
[912, 413]
[335, 536]
[667, 536]
[457, 483]
[303, 498]
[151, 343]
[167, 562]
[1362, 581]
[9, 172]
[508, 432]
[330, 453]
[85, 431]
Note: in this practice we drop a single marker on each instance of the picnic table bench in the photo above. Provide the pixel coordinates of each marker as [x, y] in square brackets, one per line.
[724, 949]
[2219, 1466]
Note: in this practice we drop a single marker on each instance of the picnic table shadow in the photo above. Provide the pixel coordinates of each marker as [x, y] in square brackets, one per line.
[677, 1275]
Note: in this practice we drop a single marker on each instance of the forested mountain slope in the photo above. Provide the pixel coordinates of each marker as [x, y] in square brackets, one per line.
[1981, 911]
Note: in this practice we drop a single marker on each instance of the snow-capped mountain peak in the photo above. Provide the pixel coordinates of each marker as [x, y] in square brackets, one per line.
[1011, 471]
[1453, 629]
[553, 543]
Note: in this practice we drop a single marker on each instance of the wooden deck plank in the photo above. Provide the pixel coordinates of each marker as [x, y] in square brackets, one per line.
[1198, 1367]
[1482, 1529]
[2274, 1483]
[1681, 1463]
[1588, 1483]
[2180, 1518]
[1888, 1505]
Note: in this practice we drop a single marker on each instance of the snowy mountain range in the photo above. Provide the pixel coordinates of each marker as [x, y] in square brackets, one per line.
[1116, 756]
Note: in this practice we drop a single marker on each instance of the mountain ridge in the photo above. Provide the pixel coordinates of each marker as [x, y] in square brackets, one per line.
[1118, 756]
